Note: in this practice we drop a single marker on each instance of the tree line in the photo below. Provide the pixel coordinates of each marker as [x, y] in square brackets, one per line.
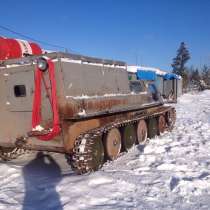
[193, 77]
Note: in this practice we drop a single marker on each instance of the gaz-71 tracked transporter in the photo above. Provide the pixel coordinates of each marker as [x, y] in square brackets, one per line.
[83, 107]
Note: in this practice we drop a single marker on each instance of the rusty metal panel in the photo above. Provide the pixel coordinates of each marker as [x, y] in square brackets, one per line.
[168, 88]
[117, 103]
[21, 77]
[179, 87]
[16, 114]
[90, 107]
[93, 80]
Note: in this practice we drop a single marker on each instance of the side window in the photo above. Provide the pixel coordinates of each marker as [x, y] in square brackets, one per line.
[20, 91]
[136, 86]
[20, 87]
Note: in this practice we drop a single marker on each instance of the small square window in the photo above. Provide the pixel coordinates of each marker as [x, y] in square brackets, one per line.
[20, 90]
[136, 87]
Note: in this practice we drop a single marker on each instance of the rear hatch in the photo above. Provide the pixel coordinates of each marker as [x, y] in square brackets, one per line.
[17, 87]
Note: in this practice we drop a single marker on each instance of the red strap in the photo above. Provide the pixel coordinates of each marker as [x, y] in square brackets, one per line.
[36, 112]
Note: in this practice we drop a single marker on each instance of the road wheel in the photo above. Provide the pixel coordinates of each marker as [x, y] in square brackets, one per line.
[161, 124]
[112, 144]
[171, 119]
[128, 137]
[142, 132]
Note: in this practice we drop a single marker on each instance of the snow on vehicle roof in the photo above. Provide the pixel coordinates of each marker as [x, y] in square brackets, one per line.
[92, 63]
[133, 69]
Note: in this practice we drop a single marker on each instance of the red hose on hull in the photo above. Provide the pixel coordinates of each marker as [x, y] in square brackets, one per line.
[36, 112]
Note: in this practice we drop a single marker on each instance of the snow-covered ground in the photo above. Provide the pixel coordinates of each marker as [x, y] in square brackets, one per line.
[171, 172]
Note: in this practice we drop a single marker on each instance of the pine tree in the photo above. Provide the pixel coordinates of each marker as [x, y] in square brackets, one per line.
[180, 60]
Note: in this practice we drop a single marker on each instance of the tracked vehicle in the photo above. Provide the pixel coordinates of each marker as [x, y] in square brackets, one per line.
[84, 107]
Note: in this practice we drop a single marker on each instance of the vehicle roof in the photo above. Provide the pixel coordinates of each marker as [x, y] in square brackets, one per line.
[57, 55]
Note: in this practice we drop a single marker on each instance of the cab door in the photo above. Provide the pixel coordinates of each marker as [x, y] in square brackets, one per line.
[20, 91]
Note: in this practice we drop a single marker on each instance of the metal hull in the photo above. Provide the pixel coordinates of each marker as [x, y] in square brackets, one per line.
[90, 95]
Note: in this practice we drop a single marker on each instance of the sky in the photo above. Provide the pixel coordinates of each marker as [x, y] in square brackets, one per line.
[143, 32]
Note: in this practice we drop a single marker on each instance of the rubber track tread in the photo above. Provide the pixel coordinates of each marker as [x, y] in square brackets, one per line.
[80, 160]
[15, 153]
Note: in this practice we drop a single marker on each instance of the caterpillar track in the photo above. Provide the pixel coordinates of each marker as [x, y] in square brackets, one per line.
[88, 153]
[7, 154]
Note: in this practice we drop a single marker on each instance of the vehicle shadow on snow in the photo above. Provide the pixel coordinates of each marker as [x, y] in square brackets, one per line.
[41, 175]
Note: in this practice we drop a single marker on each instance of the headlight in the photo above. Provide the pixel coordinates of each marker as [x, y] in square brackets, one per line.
[42, 64]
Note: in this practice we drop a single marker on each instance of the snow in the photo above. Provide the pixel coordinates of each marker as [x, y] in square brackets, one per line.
[67, 60]
[82, 146]
[105, 95]
[38, 128]
[13, 66]
[171, 172]
[134, 69]
[91, 63]
[82, 113]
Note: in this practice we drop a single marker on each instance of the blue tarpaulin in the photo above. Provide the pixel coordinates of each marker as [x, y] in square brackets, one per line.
[152, 76]
[170, 76]
[146, 75]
